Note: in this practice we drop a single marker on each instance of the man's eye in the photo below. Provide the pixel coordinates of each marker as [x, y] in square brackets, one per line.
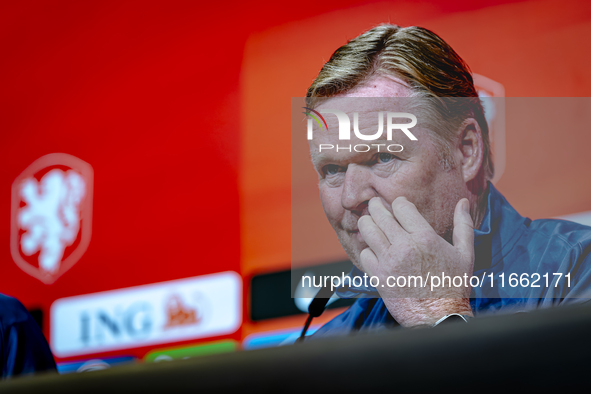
[385, 157]
[331, 169]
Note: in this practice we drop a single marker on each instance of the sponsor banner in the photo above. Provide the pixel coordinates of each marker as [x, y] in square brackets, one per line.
[198, 307]
[275, 338]
[94, 364]
[183, 352]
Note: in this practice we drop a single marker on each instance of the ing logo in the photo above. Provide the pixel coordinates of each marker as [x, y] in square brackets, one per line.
[179, 314]
[51, 215]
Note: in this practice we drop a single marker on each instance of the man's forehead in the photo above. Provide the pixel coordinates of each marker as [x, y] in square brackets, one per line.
[362, 105]
[380, 86]
[377, 94]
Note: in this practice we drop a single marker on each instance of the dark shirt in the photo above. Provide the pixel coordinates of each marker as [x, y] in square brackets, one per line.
[24, 349]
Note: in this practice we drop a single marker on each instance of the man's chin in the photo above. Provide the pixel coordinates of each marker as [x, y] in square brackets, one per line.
[353, 247]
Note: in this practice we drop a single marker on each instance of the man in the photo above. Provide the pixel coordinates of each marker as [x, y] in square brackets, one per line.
[429, 209]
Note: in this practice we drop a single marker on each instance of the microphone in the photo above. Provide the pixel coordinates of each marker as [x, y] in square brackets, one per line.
[318, 304]
[316, 308]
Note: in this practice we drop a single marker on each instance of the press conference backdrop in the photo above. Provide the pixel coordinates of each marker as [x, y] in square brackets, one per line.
[146, 189]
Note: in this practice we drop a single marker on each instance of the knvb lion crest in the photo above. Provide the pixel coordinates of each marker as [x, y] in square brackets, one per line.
[51, 216]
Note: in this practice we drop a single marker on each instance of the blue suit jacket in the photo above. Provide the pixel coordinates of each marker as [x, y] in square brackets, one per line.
[23, 347]
[505, 243]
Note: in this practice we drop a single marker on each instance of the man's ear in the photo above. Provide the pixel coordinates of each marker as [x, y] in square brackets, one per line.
[471, 149]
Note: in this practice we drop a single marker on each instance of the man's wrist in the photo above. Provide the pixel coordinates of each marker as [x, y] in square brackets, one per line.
[452, 317]
[416, 313]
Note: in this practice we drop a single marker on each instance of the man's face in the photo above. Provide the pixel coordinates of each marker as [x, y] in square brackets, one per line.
[348, 180]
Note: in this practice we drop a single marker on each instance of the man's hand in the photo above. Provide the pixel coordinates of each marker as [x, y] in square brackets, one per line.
[406, 245]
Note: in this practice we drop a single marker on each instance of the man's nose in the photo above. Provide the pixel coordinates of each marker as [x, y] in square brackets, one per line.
[357, 189]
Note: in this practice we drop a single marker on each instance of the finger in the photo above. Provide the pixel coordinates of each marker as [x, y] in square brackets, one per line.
[368, 261]
[463, 236]
[408, 216]
[373, 235]
[384, 219]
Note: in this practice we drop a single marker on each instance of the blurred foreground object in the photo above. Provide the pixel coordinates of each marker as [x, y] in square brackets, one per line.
[490, 353]
[24, 349]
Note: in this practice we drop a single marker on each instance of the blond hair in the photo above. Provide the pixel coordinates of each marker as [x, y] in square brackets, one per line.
[435, 73]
